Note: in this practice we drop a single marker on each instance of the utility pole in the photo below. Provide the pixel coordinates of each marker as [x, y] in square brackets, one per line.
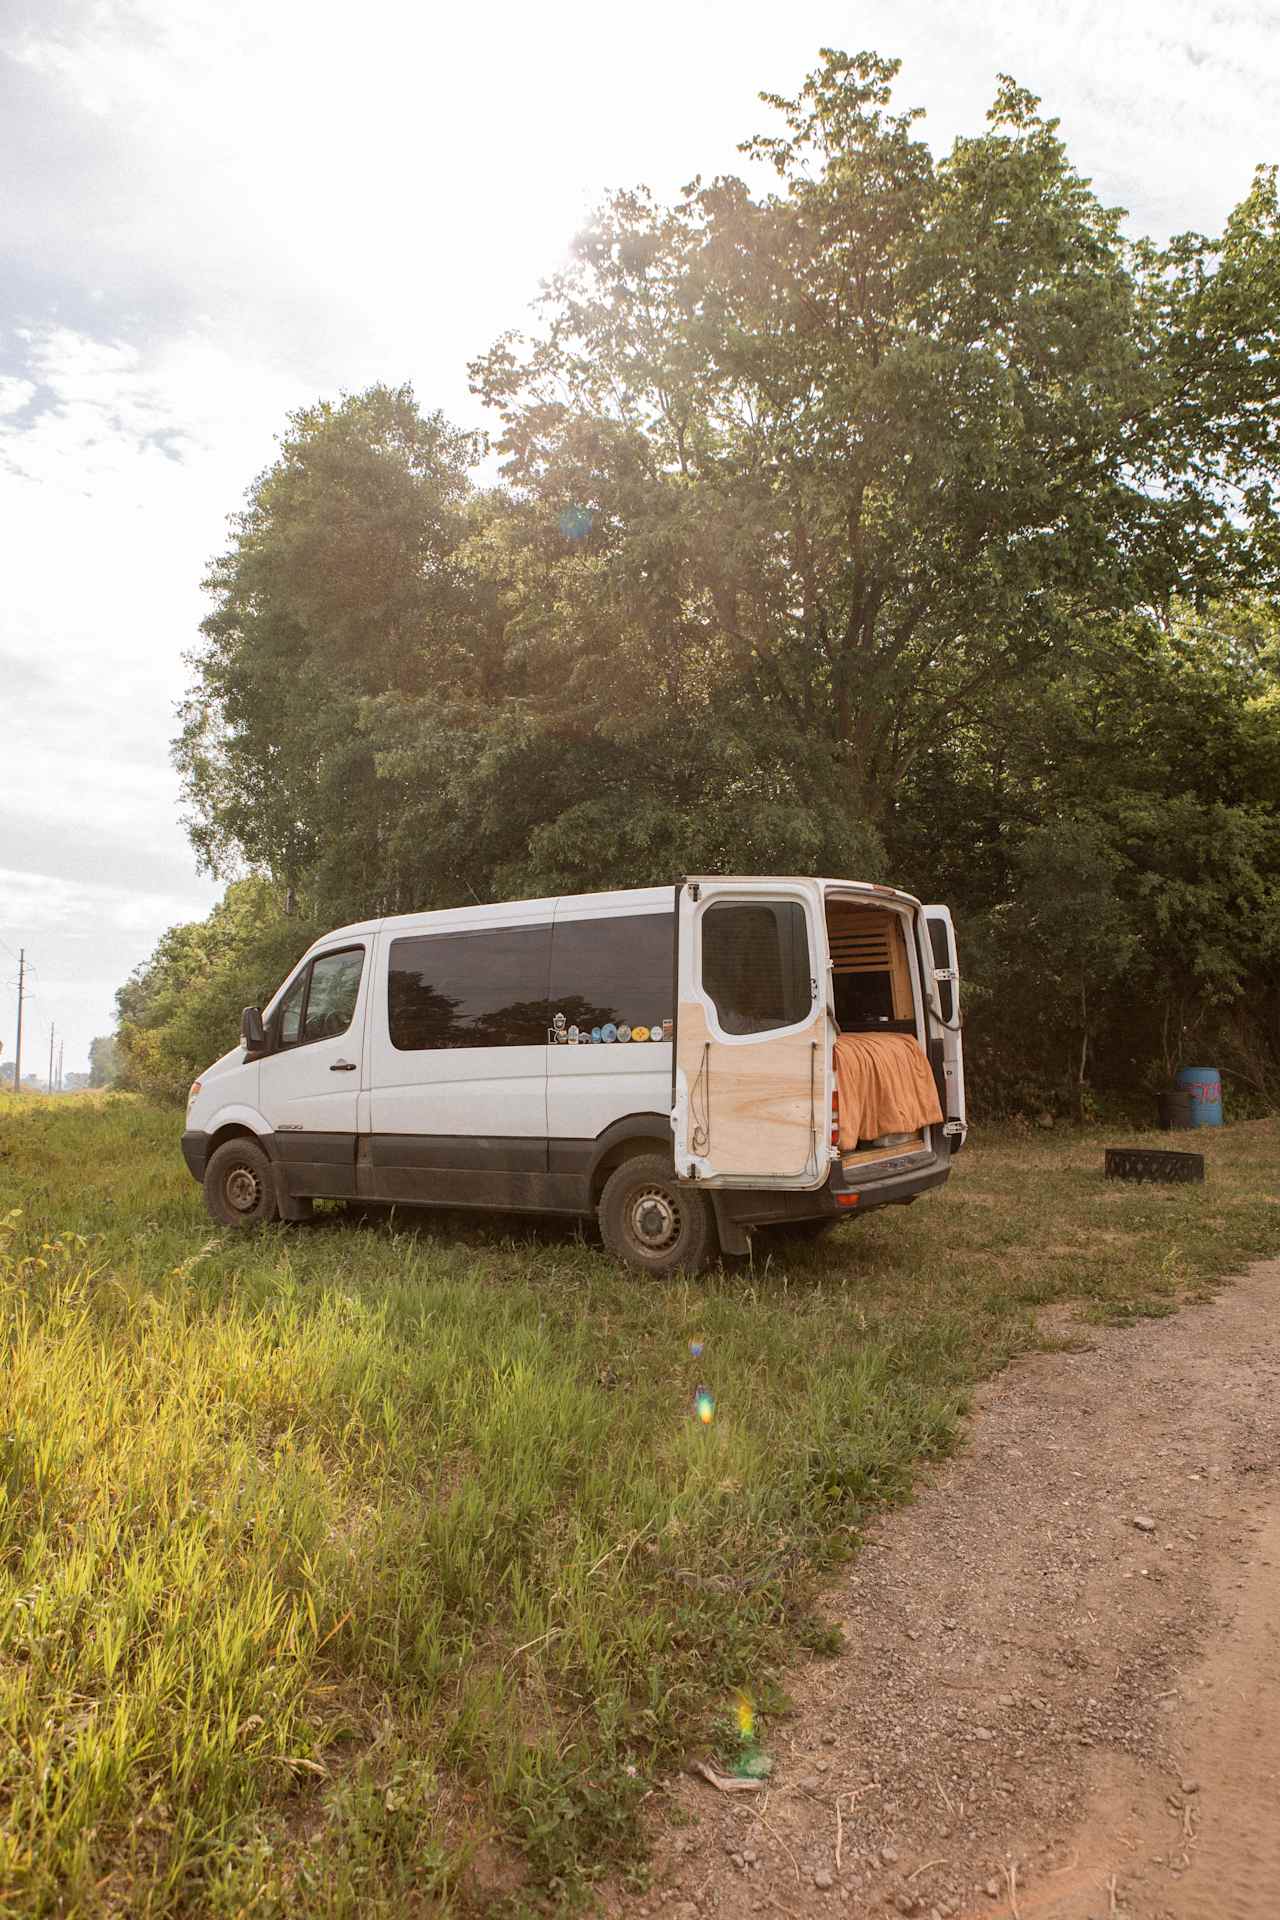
[17, 1045]
[61, 1047]
[51, 1056]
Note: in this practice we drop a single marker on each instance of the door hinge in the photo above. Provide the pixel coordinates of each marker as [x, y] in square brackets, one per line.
[953, 1126]
[944, 973]
[695, 891]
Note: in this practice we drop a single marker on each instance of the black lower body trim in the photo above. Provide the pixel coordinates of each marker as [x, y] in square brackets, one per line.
[512, 1175]
[524, 1175]
[318, 1166]
[195, 1151]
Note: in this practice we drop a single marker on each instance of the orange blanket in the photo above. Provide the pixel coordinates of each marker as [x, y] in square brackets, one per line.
[885, 1085]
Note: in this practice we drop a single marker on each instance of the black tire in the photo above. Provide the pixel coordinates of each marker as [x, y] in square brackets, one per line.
[800, 1233]
[652, 1223]
[239, 1190]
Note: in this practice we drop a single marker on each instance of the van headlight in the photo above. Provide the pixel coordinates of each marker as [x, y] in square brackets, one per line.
[195, 1088]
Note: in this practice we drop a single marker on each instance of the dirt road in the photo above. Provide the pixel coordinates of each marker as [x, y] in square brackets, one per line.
[1060, 1691]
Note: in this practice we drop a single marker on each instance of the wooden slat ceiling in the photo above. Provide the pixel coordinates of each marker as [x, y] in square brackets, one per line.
[860, 948]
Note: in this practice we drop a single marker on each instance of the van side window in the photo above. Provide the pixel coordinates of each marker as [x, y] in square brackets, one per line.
[481, 989]
[288, 1015]
[755, 964]
[331, 997]
[321, 1003]
[941, 958]
[619, 968]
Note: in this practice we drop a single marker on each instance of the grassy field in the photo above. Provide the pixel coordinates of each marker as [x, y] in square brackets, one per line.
[382, 1569]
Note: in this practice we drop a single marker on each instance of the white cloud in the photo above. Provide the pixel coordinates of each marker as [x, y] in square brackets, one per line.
[82, 909]
[14, 394]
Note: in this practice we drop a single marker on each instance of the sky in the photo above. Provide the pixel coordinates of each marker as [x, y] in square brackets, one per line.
[214, 212]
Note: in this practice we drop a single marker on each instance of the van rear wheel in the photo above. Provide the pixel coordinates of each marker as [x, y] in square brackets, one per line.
[238, 1187]
[652, 1223]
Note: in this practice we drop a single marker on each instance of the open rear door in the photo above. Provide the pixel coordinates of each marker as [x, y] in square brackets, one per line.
[944, 1016]
[751, 1056]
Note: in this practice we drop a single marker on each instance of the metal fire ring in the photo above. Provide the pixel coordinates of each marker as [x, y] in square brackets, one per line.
[1153, 1163]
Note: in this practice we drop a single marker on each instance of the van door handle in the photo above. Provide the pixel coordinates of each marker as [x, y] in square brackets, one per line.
[343, 1066]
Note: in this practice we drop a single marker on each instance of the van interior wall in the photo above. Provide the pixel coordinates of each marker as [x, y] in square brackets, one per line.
[871, 974]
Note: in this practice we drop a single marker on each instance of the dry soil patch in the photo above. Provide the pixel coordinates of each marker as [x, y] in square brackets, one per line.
[1060, 1691]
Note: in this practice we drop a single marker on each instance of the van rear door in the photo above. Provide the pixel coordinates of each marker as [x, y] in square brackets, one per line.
[752, 1088]
[943, 995]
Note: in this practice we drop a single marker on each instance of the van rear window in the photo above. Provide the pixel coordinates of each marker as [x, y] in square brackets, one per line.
[755, 964]
[482, 989]
[618, 970]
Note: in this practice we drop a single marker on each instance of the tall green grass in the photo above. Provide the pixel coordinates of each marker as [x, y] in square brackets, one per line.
[377, 1568]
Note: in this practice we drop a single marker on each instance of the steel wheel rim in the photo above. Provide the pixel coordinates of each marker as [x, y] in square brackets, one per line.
[654, 1219]
[243, 1189]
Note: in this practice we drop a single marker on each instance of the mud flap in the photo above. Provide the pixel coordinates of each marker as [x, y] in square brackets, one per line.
[288, 1205]
[734, 1237]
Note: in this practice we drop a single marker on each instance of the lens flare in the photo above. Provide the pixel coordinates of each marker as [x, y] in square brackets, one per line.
[695, 1348]
[746, 1718]
[704, 1406]
[575, 523]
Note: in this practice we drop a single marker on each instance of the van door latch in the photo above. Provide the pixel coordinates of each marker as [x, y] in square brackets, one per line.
[944, 973]
[953, 1126]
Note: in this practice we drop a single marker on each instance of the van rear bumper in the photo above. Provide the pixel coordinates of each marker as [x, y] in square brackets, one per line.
[843, 1197]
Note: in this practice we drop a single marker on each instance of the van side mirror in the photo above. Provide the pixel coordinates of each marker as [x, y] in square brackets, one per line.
[252, 1031]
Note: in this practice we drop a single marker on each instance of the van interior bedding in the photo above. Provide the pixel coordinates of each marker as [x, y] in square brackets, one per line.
[884, 1086]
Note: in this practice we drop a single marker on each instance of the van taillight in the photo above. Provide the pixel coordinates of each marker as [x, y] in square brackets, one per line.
[835, 1118]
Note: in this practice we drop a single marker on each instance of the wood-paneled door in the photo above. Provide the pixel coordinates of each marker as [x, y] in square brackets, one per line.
[752, 1062]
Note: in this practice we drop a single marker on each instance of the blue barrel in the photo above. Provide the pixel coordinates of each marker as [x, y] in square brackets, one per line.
[1204, 1084]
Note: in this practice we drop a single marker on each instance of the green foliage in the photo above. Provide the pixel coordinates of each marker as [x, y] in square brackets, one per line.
[334, 1582]
[104, 1063]
[343, 585]
[1114, 831]
[903, 520]
[823, 434]
[181, 1009]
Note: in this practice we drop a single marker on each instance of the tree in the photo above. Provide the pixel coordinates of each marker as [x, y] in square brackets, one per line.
[104, 1065]
[181, 1009]
[857, 453]
[341, 585]
[1115, 834]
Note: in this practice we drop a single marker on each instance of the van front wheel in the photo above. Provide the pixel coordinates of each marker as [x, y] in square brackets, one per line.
[238, 1188]
[652, 1223]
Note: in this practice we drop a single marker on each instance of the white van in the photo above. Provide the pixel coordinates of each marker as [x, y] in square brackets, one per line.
[661, 1057]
